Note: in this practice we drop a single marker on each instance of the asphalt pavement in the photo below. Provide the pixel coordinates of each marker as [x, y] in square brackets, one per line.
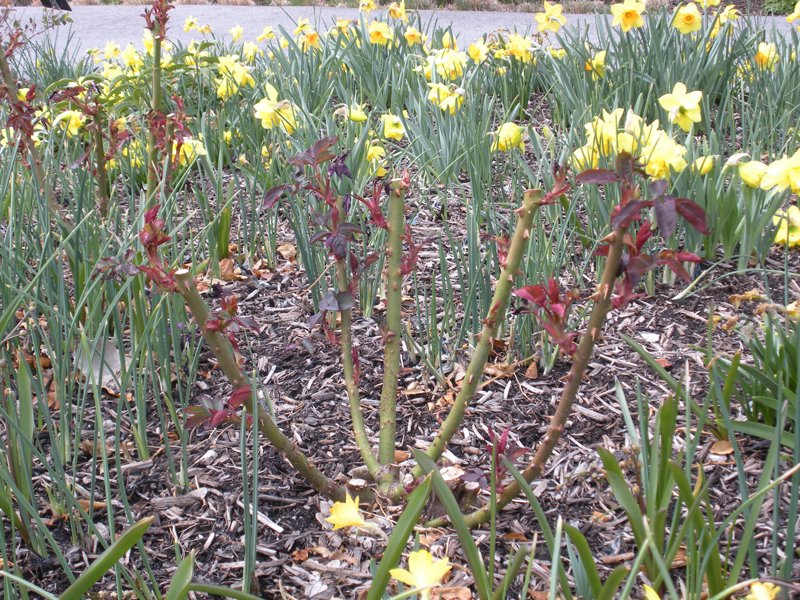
[93, 26]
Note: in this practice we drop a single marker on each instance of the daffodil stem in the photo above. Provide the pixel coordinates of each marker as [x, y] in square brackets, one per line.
[103, 190]
[155, 107]
[35, 160]
[580, 361]
[491, 323]
[348, 366]
[224, 353]
[392, 333]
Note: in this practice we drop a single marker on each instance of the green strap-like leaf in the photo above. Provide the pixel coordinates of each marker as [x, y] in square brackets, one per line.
[179, 587]
[453, 510]
[107, 560]
[397, 541]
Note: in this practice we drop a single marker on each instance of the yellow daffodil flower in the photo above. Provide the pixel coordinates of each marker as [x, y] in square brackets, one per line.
[628, 14]
[188, 151]
[303, 25]
[519, 47]
[190, 23]
[266, 34]
[397, 10]
[111, 51]
[309, 39]
[131, 58]
[237, 32]
[392, 127]
[794, 15]
[380, 33]
[448, 99]
[752, 172]
[788, 234]
[478, 52]
[688, 19]
[375, 156]
[709, 3]
[782, 174]
[702, 165]
[551, 19]
[766, 56]
[449, 42]
[275, 113]
[366, 6]
[70, 121]
[683, 106]
[413, 36]
[507, 137]
[346, 514]
[584, 158]
[596, 65]
[423, 572]
[448, 64]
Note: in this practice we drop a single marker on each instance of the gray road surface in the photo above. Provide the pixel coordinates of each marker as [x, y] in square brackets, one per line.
[93, 26]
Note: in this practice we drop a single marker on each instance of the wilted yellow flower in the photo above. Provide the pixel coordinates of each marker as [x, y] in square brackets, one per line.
[366, 6]
[70, 121]
[392, 127]
[120, 124]
[423, 572]
[397, 10]
[551, 19]
[413, 36]
[788, 234]
[793, 311]
[766, 56]
[204, 29]
[596, 65]
[449, 99]
[380, 33]
[507, 137]
[683, 107]
[557, 53]
[266, 34]
[346, 514]
[782, 174]
[703, 164]
[275, 113]
[752, 172]
[628, 14]
[688, 19]
[22, 94]
[709, 3]
[478, 51]
[237, 32]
